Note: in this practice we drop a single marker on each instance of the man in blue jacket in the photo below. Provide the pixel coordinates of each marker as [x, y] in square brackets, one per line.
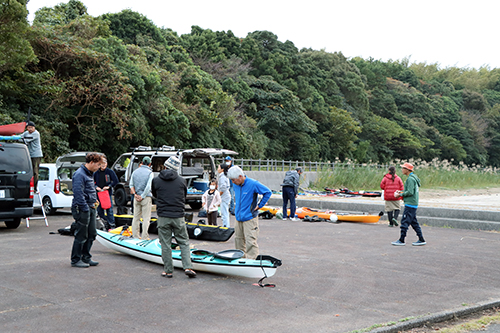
[247, 210]
[83, 210]
[105, 179]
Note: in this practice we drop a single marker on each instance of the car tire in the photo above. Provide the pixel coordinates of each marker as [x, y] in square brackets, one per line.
[13, 224]
[120, 197]
[195, 205]
[47, 206]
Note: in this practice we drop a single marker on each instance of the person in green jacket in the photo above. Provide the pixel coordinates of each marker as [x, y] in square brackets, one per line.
[410, 197]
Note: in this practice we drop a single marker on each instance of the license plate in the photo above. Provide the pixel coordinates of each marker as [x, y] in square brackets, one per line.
[2, 193]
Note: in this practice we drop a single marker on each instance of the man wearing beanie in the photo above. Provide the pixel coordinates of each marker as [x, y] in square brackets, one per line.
[32, 139]
[170, 191]
[410, 197]
[140, 188]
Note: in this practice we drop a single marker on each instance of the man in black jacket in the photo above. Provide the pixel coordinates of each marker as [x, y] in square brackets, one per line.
[170, 191]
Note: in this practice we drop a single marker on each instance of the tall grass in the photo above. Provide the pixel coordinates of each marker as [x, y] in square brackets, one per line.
[433, 175]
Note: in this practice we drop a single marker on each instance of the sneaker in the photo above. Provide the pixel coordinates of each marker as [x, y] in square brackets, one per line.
[395, 222]
[398, 243]
[419, 243]
[285, 218]
[390, 225]
[92, 263]
[80, 264]
[294, 219]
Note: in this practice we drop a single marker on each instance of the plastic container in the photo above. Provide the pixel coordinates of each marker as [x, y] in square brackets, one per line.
[201, 185]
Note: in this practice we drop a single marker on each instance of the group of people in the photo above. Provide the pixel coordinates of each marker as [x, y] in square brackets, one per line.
[170, 191]
[394, 192]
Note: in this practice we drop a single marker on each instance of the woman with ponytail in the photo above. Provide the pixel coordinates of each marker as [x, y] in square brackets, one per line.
[390, 184]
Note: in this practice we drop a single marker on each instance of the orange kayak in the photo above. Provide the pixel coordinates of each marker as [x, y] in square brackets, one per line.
[358, 218]
[332, 216]
[304, 211]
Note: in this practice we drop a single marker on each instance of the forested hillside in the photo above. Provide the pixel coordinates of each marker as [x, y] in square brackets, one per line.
[116, 81]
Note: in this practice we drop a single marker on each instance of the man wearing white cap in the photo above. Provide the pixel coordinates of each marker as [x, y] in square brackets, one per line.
[410, 197]
[170, 191]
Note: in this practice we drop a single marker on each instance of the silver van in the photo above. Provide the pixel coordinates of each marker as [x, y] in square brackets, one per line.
[197, 167]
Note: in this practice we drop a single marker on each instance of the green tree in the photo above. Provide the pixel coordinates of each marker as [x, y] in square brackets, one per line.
[15, 48]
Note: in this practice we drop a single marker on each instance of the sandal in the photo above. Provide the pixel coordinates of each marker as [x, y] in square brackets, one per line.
[168, 275]
[190, 273]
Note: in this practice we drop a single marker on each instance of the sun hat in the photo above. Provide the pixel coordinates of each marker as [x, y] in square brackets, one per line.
[407, 166]
[172, 163]
[146, 160]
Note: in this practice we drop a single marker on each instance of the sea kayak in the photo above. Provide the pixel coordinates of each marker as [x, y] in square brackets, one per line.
[12, 129]
[337, 217]
[150, 250]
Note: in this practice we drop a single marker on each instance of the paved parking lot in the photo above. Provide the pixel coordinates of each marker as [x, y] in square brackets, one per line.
[334, 278]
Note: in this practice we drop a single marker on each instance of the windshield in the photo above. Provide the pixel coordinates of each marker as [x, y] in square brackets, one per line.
[14, 159]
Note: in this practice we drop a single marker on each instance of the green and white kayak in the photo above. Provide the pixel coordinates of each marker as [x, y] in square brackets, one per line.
[226, 262]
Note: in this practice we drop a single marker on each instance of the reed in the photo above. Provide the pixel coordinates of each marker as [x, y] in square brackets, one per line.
[433, 175]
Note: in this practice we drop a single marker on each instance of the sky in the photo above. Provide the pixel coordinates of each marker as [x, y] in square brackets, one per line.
[450, 33]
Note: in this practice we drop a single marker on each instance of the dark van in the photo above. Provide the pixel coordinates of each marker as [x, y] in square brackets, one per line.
[16, 183]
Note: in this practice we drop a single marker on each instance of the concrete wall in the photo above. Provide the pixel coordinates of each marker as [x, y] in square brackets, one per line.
[273, 179]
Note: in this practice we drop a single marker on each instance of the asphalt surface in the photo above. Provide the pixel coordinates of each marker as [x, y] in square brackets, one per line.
[335, 278]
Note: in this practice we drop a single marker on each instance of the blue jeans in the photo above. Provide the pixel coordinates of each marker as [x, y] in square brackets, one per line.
[288, 195]
[85, 234]
[224, 211]
[410, 218]
[109, 213]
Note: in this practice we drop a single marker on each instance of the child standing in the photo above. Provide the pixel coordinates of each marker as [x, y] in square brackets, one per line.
[211, 201]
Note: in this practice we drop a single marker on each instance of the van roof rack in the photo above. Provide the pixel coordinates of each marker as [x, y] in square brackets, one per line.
[11, 138]
[149, 148]
[165, 148]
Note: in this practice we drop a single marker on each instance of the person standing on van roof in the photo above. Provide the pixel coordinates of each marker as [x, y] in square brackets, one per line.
[247, 191]
[140, 188]
[170, 191]
[32, 139]
[105, 179]
[83, 211]
[290, 190]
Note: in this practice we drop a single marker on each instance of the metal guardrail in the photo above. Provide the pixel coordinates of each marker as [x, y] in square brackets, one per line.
[282, 165]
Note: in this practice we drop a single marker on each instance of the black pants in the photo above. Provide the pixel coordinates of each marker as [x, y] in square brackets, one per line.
[35, 163]
[85, 234]
[212, 218]
[288, 194]
[410, 219]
